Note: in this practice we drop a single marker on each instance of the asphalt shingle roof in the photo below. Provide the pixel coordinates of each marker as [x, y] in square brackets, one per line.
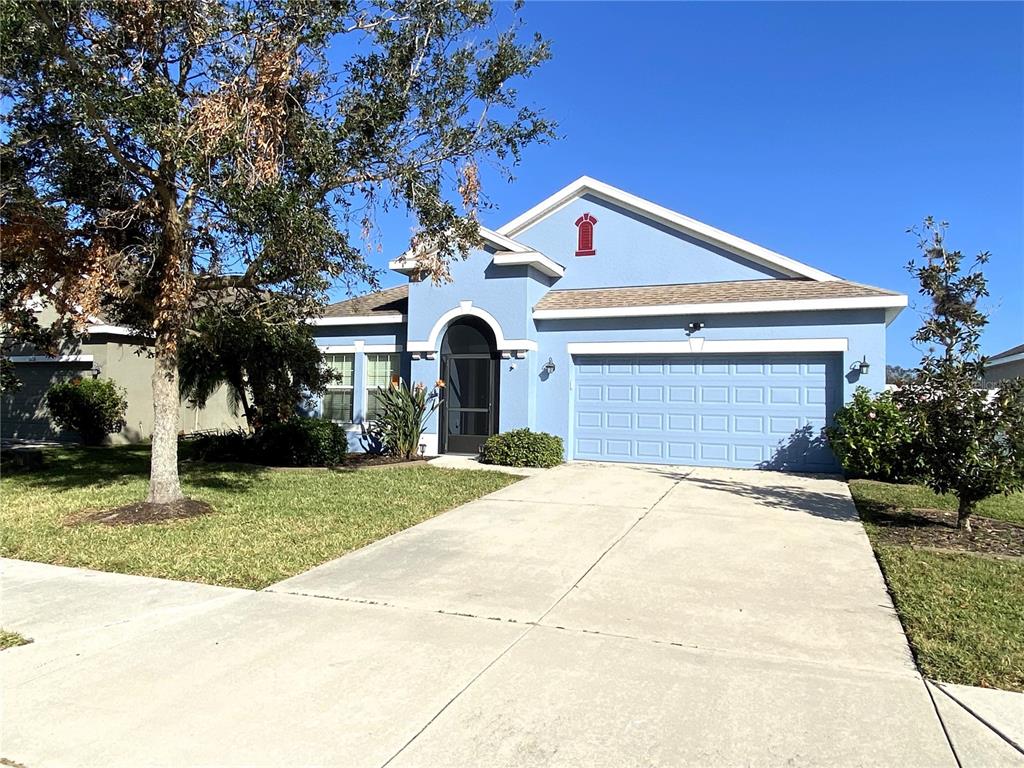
[706, 293]
[390, 301]
[1009, 352]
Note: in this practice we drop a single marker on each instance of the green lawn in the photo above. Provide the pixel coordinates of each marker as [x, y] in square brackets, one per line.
[10, 639]
[267, 524]
[1009, 508]
[963, 612]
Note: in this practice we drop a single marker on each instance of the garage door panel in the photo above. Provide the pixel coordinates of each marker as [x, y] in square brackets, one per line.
[742, 410]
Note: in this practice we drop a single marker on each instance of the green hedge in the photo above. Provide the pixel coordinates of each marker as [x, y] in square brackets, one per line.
[298, 442]
[523, 448]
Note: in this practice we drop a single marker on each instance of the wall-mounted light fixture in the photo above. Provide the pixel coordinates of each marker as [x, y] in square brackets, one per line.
[695, 326]
[96, 371]
[862, 367]
[549, 367]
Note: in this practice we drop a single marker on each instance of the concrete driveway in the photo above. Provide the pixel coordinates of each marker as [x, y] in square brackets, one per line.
[595, 615]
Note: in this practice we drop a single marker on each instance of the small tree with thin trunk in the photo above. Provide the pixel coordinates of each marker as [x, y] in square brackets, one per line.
[970, 445]
[214, 155]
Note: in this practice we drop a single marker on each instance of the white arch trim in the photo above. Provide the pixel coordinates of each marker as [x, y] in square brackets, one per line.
[465, 309]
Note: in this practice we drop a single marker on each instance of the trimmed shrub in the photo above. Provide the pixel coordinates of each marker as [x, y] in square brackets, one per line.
[301, 442]
[94, 408]
[873, 438]
[522, 448]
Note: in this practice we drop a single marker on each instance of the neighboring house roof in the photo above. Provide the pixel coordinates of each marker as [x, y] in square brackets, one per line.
[720, 297]
[1011, 355]
[386, 306]
[588, 186]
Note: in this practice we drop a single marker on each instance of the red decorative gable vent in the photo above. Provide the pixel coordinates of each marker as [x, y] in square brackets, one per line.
[585, 235]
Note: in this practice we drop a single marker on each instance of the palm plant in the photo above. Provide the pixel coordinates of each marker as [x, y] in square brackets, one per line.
[403, 417]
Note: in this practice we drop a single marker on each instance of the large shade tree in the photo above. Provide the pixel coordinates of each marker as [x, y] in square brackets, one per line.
[190, 152]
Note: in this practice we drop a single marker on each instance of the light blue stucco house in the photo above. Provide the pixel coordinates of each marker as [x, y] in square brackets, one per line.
[635, 333]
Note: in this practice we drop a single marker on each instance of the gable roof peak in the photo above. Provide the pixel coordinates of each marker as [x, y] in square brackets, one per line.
[588, 185]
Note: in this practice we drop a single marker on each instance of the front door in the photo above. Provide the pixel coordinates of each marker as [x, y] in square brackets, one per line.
[470, 370]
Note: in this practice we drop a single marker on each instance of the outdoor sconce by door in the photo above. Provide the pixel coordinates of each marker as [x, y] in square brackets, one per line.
[862, 367]
[549, 367]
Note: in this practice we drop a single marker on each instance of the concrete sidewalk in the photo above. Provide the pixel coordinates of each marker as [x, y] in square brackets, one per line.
[594, 615]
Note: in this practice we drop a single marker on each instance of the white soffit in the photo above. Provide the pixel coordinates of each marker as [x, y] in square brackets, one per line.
[48, 359]
[357, 320]
[725, 308]
[698, 229]
[534, 259]
[992, 362]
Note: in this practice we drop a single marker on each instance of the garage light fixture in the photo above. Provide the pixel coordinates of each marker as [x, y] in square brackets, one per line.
[862, 367]
[549, 367]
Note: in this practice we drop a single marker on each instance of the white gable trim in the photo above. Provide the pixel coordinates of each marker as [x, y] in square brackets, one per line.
[712, 235]
[697, 345]
[534, 259]
[406, 264]
[725, 308]
[467, 308]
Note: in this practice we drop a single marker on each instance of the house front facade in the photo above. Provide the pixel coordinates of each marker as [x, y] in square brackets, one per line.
[633, 332]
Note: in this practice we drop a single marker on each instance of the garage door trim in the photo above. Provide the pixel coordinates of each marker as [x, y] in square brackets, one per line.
[706, 346]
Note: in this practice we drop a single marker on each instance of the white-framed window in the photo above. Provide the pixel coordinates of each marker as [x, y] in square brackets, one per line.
[382, 370]
[337, 401]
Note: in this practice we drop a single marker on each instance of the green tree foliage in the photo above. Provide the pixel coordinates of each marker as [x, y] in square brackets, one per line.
[523, 448]
[184, 152]
[873, 438]
[970, 445]
[93, 408]
[402, 418]
[269, 369]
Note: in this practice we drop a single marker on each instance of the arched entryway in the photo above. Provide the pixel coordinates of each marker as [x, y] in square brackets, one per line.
[470, 370]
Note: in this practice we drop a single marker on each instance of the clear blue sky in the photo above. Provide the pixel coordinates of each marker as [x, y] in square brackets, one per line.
[821, 131]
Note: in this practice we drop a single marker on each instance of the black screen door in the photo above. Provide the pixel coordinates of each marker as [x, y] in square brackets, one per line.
[469, 367]
[470, 402]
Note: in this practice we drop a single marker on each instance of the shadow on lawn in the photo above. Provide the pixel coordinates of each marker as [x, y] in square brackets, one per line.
[893, 516]
[77, 467]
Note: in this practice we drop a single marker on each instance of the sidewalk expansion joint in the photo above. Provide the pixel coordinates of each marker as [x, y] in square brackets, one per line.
[979, 718]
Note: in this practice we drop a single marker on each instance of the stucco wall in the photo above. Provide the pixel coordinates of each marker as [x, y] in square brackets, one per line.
[632, 250]
[997, 372]
[24, 414]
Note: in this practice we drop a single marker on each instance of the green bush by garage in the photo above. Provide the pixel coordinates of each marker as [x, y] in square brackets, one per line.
[523, 448]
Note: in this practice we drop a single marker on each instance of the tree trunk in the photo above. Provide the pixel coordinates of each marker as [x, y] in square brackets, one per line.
[171, 304]
[963, 514]
[164, 486]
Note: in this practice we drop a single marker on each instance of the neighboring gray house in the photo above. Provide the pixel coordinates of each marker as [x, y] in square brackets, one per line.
[106, 352]
[1006, 365]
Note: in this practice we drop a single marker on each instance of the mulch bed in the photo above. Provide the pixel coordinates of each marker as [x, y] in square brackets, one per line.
[142, 512]
[354, 461]
[936, 529]
[360, 460]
